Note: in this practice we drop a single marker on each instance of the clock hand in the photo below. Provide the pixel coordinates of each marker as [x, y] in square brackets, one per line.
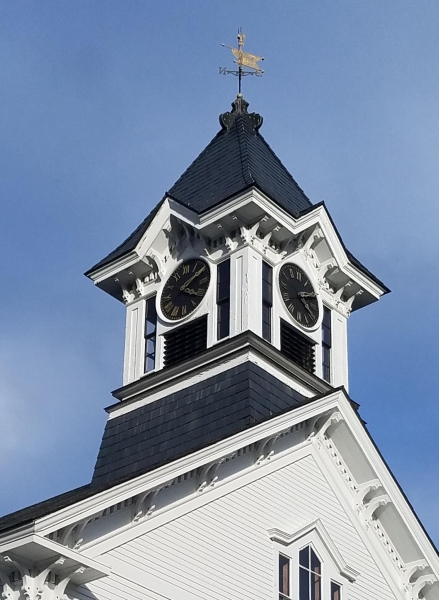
[306, 305]
[192, 292]
[307, 295]
[186, 283]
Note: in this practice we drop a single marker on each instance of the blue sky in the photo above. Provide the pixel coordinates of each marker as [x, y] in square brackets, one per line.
[105, 103]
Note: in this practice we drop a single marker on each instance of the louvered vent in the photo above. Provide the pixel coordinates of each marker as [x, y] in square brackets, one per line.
[185, 342]
[297, 347]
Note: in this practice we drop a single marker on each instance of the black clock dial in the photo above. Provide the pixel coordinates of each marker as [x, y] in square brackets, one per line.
[185, 289]
[298, 295]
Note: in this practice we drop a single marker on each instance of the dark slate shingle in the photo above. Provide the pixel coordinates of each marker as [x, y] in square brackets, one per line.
[236, 159]
[190, 419]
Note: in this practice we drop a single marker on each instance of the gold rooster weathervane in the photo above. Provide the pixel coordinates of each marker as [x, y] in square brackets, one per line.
[243, 59]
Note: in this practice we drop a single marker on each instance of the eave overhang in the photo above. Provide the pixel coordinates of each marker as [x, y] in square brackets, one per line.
[225, 351]
[250, 217]
[23, 549]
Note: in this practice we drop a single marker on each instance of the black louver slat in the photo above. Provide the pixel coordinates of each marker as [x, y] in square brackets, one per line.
[297, 347]
[185, 342]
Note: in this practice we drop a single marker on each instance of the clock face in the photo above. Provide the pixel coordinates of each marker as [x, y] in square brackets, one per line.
[185, 289]
[298, 295]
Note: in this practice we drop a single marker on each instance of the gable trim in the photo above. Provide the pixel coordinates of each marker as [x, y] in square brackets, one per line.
[285, 538]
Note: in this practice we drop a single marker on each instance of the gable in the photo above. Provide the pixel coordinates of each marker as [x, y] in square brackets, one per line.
[223, 548]
[281, 475]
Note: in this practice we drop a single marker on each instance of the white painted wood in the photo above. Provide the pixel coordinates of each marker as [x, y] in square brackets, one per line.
[239, 293]
[340, 373]
[223, 550]
[133, 342]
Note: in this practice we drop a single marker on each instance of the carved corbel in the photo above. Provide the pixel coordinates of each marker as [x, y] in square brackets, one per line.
[420, 583]
[334, 417]
[364, 489]
[289, 246]
[349, 302]
[312, 428]
[264, 449]
[5, 580]
[60, 588]
[207, 476]
[156, 261]
[27, 584]
[410, 570]
[271, 240]
[374, 504]
[144, 505]
[252, 232]
[140, 286]
[40, 579]
[128, 295]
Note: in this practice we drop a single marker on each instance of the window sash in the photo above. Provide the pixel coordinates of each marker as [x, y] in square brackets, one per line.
[223, 299]
[150, 334]
[284, 577]
[267, 300]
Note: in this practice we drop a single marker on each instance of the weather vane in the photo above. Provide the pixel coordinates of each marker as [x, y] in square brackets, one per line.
[243, 59]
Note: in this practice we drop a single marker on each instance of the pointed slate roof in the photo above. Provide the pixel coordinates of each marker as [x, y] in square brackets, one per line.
[238, 158]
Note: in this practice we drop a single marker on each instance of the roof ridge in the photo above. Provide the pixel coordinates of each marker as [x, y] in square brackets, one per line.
[241, 126]
[285, 169]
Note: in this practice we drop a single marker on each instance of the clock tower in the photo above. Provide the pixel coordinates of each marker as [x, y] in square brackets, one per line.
[235, 279]
[233, 463]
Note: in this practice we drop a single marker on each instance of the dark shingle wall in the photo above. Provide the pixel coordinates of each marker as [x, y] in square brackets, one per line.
[190, 419]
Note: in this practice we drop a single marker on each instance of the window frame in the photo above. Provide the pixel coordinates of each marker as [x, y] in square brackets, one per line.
[326, 361]
[334, 570]
[150, 337]
[223, 302]
[267, 301]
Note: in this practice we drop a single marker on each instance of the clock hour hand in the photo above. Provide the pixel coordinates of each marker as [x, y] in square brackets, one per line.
[192, 292]
[307, 295]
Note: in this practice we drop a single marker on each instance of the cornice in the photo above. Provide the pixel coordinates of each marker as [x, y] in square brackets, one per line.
[226, 350]
[161, 476]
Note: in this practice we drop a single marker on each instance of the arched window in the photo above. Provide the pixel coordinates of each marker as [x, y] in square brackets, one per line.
[310, 566]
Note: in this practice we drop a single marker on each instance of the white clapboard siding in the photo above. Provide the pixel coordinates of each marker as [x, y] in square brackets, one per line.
[222, 551]
[115, 588]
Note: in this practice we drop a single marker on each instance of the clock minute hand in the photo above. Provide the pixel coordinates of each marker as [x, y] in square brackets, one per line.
[186, 283]
[306, 305]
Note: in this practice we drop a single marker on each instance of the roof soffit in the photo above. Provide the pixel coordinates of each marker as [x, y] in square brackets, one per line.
[259, 221]
[316, 221]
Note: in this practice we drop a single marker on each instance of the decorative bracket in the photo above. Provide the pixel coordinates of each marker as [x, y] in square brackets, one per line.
[264, 449]
[128, 295]
[420, 583]
[410, 570]
[207, 476]
[144, 506]
[334, 417]
[364, 489]
[374, 504]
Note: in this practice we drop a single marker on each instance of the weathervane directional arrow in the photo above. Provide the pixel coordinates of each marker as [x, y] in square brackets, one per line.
[243, 59]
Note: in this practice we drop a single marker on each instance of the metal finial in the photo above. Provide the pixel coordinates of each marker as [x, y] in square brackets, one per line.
[243, 59]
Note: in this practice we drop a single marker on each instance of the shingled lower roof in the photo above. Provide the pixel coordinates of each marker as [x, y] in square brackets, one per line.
[238, 158]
